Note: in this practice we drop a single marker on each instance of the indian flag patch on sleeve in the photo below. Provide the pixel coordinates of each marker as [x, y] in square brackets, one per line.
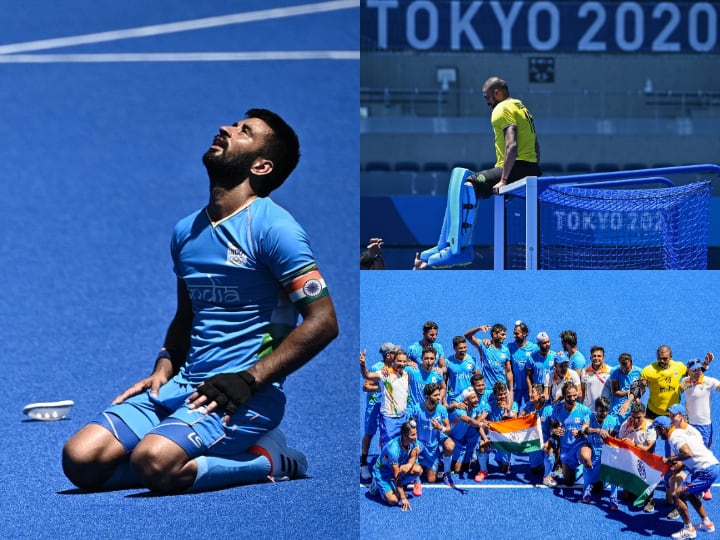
[306, 288]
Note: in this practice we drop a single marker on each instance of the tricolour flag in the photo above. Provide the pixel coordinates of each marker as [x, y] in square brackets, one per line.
[516, 434]
[306, 287]
[627, 466]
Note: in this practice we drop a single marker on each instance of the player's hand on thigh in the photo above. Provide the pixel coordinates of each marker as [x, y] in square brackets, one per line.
[153, 383]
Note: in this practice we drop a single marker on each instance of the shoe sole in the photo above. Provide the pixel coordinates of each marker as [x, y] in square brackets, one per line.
[49, 411]
[293, 463]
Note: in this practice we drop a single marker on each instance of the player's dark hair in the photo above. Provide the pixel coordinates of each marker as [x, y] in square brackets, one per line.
[476, 377]
[457, 340]
[497, 327]
[539, 388]
[597, 348]
[523, 327]
[408, 426]
[430, 388]
[281, 147]
[602, 402]
[429, 349]
[569, 337]
[567, 386]
[625, 357]
[430, 325]
[637, 407]
[499, 387]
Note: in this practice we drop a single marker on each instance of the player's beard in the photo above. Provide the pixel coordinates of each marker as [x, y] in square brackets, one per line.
[227, 171]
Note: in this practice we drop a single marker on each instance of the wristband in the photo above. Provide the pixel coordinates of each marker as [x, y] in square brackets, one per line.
[164, 353]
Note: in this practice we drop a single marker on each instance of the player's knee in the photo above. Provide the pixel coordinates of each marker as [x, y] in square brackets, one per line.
[157, 469]
[83, 467]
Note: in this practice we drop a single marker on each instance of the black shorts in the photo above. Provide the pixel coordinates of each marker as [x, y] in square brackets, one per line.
[485, 180]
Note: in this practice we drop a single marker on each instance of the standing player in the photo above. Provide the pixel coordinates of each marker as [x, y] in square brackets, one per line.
[496, 362]
[430, 335]
[372, 406]
[395, 386]
[568, 339]
[622, 379]
[207, 415]
[540, 366]
[560, 375]
[662, 378]
[517, 149]
[596, 378]
[601, 426]
[397, 468]
[465, 427]
[459, 368]
[424, 374]
[521, 351]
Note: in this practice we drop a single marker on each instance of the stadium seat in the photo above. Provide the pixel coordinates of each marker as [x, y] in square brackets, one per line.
[383, 183]
[578, 168]
[551, 168]
[634, 166]
[436, 166]
[606, 167]
[375, 166]
[469, 165]
[408, 166]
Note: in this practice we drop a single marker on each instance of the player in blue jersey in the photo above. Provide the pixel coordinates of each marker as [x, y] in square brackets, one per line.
[397, 467]
[465, 424]
[501, 408]
[541, 461]
[495, 356]
[430, 335]
[459, 368]
[207, 415]
[567, 421]
[433, 429]
[521, 351]
[372, 406]
[424, 374]
[621, 379]
[601, 426]
[569, 340]
[538, 369]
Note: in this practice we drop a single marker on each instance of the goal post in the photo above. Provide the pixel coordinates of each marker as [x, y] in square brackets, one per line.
[620, 220]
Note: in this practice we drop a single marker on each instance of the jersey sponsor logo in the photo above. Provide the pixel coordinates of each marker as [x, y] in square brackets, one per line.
[236, 256]
[195, 439]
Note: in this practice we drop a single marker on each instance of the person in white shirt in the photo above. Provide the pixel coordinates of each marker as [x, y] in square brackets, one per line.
[688, 450]
[595, 378]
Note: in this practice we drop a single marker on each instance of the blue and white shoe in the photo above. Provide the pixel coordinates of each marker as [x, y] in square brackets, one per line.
[55, 410]
[285, 462]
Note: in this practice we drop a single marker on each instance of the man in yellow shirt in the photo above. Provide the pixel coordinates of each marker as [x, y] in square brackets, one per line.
[517, 149]
[662, 377]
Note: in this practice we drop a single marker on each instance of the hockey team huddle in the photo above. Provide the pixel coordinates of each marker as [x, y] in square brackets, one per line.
[436, 413]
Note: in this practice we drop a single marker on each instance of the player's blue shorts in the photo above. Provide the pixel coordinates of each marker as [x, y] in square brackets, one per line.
[382, 484]
[430, 457]
[193, 430]
[699, 481]
[707, 433]
[372, 418]
[571, 456]
[465, 446]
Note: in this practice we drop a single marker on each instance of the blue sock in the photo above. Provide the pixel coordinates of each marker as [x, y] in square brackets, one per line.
[483, 460]
[216, 472]
[549, 461]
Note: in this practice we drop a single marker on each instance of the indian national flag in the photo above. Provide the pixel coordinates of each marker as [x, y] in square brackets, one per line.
[635, 470]
[516, 434]
[306, 287]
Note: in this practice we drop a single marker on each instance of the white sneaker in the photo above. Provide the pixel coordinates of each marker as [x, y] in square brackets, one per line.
[285, 462]
[707, 527]
[685, 533]
[55, 410]
[365, 475]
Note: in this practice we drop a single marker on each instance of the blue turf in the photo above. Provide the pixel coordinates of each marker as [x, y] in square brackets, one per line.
[98, 161]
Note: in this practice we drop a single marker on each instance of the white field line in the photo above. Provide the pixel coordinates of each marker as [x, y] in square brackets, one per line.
[184, 26]
[177, 57]
[499, 486]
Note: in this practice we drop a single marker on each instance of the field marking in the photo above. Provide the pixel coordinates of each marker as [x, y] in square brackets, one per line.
[177, 57]
[500, 486]
[184, 26]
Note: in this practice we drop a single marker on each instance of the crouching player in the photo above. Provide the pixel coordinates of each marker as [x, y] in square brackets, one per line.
[542, 461]
[397, 467]
[464, 425]
[601, 426]
[433, 429]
